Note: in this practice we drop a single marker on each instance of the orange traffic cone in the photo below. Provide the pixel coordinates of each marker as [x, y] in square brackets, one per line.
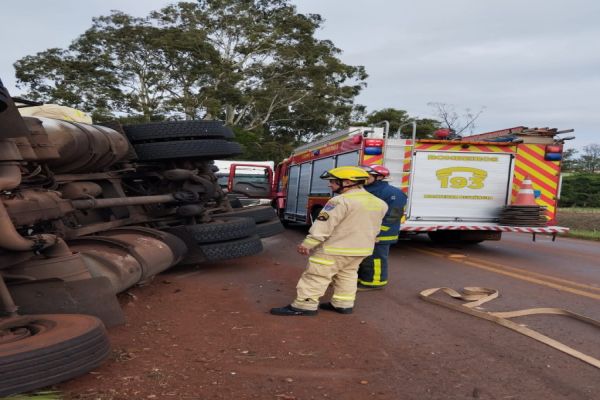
[525, 196]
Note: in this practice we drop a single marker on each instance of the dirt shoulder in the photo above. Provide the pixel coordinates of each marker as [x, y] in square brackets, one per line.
[206, 334]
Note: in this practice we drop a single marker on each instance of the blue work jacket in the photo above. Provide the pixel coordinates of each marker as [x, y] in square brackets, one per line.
[396, 200]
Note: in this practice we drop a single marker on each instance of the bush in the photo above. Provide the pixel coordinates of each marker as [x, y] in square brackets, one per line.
[580, 190]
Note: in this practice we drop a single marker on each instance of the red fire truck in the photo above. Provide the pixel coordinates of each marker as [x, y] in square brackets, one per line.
[457, 189]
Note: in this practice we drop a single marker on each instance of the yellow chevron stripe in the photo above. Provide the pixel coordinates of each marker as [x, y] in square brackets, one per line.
[490, 148]
[539, 163]
[538, 149]
[498, 149]
[370, 160]
[537, 175]
[458, 147]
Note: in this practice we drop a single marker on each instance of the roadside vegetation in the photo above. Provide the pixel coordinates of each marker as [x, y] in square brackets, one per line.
[579, 205]
[584, 222]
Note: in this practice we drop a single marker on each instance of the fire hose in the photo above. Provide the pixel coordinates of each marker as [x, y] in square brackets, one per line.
[476, 296]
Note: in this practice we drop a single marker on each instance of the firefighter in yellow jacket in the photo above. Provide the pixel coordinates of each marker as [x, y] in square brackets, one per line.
[343, 234]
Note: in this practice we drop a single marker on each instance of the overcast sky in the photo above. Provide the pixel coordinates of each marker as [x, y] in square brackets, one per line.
[534, 63]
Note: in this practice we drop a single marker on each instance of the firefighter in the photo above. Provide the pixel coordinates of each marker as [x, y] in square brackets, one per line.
[342, 235]
[373, 271]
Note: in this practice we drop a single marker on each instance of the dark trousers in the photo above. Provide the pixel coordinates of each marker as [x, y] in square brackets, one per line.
[373, 271]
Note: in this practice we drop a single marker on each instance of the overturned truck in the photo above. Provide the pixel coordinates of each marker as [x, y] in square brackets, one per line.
[87, 211]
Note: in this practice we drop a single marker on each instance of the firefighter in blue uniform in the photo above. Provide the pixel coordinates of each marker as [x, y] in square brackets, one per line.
[373, 271]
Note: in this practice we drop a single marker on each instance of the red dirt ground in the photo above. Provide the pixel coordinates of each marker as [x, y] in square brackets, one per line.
[205, 333]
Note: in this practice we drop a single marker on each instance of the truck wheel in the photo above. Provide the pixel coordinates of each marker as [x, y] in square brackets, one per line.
[269, 228]
[258, 213]
[176, 130]
[41, 350]
[217, 231]
[231, 249]
[207, 148]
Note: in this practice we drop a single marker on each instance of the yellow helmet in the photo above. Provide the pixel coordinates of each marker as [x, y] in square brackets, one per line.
[350, 173]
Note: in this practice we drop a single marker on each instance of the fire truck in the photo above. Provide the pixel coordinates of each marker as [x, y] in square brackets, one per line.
[457, 189]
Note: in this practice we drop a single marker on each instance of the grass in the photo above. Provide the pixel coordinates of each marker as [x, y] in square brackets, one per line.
[584, 223]
[583, 234]
[579, 210]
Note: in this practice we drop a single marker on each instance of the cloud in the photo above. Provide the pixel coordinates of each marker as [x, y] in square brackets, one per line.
[533, 63]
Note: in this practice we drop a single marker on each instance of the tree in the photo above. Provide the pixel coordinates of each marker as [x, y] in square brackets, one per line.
[450, 118]
[254, 64]
[400, 120]
[569, 160]
[580, 190]
[590, 158]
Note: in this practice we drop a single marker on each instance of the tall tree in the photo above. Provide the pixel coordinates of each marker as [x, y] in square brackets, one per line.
[569, 160]
[590, 158]
[451, 119]
[255, 64]
[400, 120]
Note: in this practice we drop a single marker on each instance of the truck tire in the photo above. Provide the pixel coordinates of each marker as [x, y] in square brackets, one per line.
[217, 231]
[50, 349]
[231, 249]
[269, 228]
[207, 148]
[223, 229]
[258, 213]
[168, 130]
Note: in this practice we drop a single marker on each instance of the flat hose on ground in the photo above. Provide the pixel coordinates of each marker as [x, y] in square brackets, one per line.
[477, 296]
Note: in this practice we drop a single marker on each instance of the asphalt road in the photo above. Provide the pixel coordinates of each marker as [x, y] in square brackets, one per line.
[433, 352]
[205, 333]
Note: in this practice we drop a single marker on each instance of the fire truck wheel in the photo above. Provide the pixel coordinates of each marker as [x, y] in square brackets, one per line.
[258, 213]
[177, 129]
[41, 350]
[207, 148]
[232, 249]
[217, 231]
[269, 228]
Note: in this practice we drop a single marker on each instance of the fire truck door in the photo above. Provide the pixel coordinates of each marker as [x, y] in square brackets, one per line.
[298, 190]
[459, 186]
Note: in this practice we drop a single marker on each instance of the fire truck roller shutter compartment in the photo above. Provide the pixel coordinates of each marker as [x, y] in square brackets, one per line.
[459, 186]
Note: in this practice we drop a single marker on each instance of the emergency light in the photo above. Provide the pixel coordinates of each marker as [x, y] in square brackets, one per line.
[374, 142]
[553, 153]
[442, 133]
[373, 147]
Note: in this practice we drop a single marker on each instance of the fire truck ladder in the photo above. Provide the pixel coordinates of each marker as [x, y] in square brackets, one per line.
[398, 156]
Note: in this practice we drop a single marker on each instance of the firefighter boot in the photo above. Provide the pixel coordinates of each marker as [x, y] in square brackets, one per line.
[365, 288]
[293, 311]
[331, 307]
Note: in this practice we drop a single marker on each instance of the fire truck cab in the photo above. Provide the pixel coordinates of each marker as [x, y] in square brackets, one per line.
[457, 189]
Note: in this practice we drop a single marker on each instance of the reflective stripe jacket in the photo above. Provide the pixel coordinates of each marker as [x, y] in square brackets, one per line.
[396, 200]
[348, 224]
